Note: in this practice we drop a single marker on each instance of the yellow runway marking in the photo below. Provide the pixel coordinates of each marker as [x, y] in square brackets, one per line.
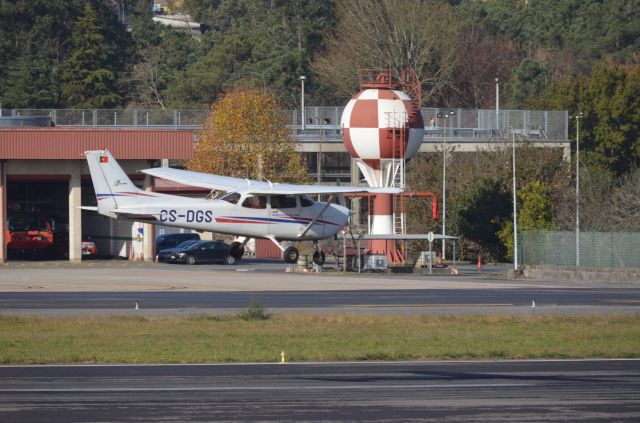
[428, 305]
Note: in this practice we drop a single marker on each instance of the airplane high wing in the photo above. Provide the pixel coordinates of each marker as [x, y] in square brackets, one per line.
[227, 183]
[249, 209]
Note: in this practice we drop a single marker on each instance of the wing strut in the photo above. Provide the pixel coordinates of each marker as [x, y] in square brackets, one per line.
[315, 219]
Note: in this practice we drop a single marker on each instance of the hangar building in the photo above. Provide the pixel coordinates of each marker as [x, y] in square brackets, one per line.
[45, 169]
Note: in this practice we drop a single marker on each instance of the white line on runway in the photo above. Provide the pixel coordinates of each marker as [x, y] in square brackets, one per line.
[266, 388]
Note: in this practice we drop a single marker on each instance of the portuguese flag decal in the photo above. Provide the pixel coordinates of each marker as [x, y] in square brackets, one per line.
[104, 159]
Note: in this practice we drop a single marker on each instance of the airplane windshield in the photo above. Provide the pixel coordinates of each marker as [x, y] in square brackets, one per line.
[305, 201]
[232, 197]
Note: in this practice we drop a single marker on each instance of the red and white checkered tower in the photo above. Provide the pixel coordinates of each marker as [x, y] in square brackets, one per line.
[383, 127]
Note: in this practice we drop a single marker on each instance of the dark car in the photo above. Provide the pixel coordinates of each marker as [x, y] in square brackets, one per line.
[165, 255]
[165, 241]
[203, 252]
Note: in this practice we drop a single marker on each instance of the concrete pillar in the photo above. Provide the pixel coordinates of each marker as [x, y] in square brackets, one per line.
[75, 213]
[3, 212]
[148, 241]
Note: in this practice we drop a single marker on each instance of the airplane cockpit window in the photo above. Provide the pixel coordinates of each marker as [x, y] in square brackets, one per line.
[259, 202]
[232, 197]
[287, 201]
[305, 201]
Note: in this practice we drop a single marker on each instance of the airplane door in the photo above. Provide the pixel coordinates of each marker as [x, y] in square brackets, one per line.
[286, 214]
[254, 219]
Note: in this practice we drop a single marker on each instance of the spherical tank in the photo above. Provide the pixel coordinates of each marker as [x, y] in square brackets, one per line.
[372, 119]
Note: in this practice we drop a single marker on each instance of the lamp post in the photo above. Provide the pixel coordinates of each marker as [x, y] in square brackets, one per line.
[319, 158]
[302, 113]
[578, 117]
[497, 104]
[444, 178]
[515, 207]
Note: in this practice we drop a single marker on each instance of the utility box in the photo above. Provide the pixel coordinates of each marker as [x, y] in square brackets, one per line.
[375, 262]
[423, 260]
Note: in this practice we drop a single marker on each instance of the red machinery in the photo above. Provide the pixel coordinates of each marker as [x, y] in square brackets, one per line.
[29, 230]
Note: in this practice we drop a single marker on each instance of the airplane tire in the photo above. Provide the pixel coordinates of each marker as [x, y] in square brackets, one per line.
[319, 258]
[237, 250]
[230, 259]
[291, 255]
[190, 260]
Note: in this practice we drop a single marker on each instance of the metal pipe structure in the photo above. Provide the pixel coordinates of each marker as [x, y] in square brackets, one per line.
[421, 194]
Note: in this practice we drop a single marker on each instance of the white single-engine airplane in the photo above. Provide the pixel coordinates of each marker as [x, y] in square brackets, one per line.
[249, 209]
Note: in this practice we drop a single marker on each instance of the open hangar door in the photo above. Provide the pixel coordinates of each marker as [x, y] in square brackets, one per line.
[38, 222]
[38, 218]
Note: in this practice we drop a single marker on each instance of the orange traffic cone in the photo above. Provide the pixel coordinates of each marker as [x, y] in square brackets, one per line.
[439, 259]
[479, 263]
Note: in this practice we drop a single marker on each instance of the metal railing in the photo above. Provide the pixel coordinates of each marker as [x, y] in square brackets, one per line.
[464, 125]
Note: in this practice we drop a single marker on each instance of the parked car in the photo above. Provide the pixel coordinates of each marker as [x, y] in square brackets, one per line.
[165, 255]
[89, 249]
[203, 252]
[165, 241]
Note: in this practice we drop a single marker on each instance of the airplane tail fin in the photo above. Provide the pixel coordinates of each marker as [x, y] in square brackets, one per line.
[113, 187]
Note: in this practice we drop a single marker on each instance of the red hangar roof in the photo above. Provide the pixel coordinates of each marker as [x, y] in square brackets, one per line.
[71, 143]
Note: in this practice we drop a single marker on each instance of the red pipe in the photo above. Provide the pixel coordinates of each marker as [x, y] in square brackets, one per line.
[434, 200]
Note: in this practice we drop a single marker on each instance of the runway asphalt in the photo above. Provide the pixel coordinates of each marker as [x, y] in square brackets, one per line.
[488, 391]
[404, 301]
[99, 287]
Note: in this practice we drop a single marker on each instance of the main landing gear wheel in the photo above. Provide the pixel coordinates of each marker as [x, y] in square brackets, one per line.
[319, 258]
[236, 251]
[290, 255]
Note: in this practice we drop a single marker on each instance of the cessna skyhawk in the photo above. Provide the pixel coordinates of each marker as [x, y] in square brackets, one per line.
[247, 209]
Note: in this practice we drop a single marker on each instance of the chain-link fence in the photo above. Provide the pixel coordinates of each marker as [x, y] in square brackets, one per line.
[597, 249]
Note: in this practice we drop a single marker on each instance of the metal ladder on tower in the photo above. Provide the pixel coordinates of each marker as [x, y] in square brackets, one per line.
[398, 168]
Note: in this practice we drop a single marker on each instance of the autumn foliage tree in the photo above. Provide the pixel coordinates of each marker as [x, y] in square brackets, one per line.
[245, 136]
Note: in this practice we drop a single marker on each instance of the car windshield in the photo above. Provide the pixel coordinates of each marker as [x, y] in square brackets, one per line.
[196, 245]
[27, 222]
[185, 244]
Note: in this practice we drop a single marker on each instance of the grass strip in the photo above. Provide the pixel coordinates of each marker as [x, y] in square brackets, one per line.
[336, 337]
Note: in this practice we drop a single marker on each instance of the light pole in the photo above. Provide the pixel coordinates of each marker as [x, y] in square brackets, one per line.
[444, 178]
[515, 207]
[302, 114]
[319, 158]
[578, 117]
[497, 104]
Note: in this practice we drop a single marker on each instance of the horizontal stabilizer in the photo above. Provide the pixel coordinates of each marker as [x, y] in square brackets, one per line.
[132, 215]
[89, 208]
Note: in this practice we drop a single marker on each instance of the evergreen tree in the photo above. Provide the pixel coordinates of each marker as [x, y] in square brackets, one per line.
[89, 78]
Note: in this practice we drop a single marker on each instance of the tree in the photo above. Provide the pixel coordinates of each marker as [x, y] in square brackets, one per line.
[391, 33]
[610, 102]
[480, 213]
[528, 79]
[481, 58]
[245, 136]
[260, 43]
[535, 212]
[89, 79]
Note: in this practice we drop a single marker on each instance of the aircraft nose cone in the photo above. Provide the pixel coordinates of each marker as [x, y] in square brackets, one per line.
[342, 212]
